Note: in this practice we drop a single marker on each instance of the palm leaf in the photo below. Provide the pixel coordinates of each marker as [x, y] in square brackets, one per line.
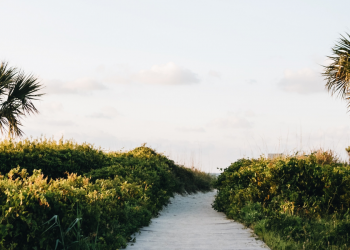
[6, 77]
[337, 74]
[17, 93]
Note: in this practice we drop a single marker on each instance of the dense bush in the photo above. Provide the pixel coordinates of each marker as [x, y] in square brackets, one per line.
[54, 158]
[116, 200]
[292, 202]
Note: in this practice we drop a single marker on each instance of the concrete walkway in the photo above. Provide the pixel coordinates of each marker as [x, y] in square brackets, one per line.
[190, 222]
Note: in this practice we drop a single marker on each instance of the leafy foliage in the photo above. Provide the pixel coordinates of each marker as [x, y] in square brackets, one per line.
[303, 200]
[17, 92]
[337, 74]
[117, 199]
[54, 158]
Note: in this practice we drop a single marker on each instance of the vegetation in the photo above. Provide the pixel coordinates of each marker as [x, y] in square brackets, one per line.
[294, 202]
[337, 74]
[115, 193]
[17, 92]
[54, 158]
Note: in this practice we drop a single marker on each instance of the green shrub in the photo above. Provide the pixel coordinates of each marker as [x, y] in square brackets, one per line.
[28, 201]
[54, 158]
[186, 180]
[117, 199]
[293, 202]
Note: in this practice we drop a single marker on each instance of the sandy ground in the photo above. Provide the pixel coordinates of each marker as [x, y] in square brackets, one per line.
[190, 222]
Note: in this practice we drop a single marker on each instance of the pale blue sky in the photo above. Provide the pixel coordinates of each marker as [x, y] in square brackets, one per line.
[208, 81]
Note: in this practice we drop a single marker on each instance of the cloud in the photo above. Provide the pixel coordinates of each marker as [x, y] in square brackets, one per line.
[165, 74]
[106, 113]
[61, 123]
[214, 73]
[192, 130]
[251, 81]
[304, 81]
[336, 133]
[99, 115]
[100, 68]
[53, 107]
[79, 86]
[119, 79]
[231, 122]
[249, 113]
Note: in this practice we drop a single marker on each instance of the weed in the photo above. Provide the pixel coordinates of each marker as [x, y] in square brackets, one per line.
[76, 241]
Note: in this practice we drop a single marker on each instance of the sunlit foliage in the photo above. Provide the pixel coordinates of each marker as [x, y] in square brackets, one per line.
[292, 202]
[116, 192]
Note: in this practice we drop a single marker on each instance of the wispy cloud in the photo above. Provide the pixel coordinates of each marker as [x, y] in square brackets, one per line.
[251, 81]
[79, 86]
[304, 81]
[231, 122]
[214, 73]
[52, 107]
[249, 113]
[164, 74]
[60, 123]
[107, 112]
[191, 130]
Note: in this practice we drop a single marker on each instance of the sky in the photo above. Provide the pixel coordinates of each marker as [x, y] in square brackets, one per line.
[204, 82]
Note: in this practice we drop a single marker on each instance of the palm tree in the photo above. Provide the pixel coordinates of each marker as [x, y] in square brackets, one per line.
[337, 74]
[17, 93]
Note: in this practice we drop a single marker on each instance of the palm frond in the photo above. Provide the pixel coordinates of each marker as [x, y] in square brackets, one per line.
[17, 93]
[24, 90]
[337, 74]
[12, 115]
[7, 76]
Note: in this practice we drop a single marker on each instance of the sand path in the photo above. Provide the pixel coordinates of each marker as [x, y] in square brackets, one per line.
[190, 222]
